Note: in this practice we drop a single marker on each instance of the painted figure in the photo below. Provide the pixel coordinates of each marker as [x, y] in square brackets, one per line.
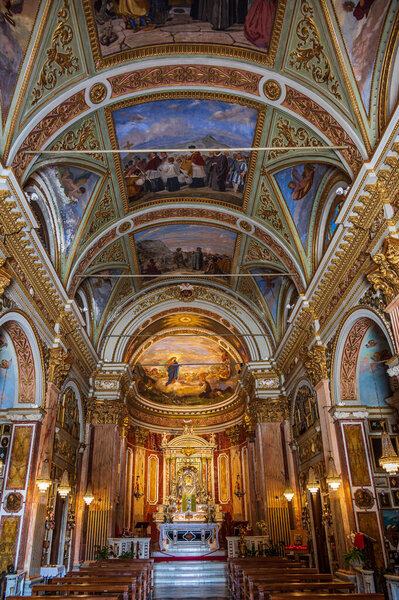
[301, 184]
[218, 169]
[197, 260]
[173, 371]
[259, 23]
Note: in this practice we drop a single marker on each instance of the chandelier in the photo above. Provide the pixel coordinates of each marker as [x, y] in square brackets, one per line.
[333, 479]
[389, 459]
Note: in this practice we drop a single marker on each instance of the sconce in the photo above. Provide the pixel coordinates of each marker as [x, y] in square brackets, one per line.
[312, 484]
[237, 489]
[137, 494]
[64, 488]
[44, 481]
[88, 497]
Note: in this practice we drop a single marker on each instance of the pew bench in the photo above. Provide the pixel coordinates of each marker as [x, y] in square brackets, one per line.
[268, 589]
[89, 589]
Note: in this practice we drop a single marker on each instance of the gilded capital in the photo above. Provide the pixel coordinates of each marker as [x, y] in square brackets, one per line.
[106, 412]
[384, 273]
[234, 433]
[59, 365]
[315, 364]
[5, 277]
[141, 435]
[269, 410]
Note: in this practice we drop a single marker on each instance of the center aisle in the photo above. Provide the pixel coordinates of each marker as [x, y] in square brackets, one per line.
[190, 579]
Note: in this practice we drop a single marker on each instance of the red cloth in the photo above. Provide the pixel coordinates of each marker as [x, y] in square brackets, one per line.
[362, 11]
[359, 541]
[197, 159]
[259, 22]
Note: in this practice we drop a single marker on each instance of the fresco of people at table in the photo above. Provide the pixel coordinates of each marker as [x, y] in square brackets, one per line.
[128, 24]
[185, 248]
[196, 126]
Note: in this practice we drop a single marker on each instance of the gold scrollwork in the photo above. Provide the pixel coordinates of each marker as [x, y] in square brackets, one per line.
[384, 273]
[98, 93]
[5, 277]
[290, 136]
[58, 63]
[82, 139]
[59, 365]
[310, 55]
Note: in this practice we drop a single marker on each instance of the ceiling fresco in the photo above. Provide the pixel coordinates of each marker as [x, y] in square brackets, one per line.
[194, 124]
[216, 197]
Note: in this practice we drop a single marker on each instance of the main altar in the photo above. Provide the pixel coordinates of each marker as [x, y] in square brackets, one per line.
[189, 514]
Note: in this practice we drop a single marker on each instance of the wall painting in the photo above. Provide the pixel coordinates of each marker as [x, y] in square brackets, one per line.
[185, 248]
[129, 24]
[192, 124]
[16, 24]
[175, 371]
[8, 372]
[101, 288]
[361, 30]
[372, 379]
[71, 188]
[299, 186]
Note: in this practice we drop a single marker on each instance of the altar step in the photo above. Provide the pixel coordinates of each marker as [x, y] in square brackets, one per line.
[190, 579]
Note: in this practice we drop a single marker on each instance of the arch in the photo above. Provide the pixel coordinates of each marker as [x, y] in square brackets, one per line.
[117, 338]
[346, 353]
[304, 411]
[29, 357]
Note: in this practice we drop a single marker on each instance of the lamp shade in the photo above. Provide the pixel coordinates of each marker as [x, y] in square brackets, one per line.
[333, 479]
[312, 484]
[389, 459]
[64, 488]
[43, 482]
[288, 494]
[88, 497]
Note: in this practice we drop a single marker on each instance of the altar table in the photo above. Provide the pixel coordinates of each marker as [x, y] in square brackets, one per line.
[180, 533]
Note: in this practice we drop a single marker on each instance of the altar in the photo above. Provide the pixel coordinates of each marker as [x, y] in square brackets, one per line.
[205, 536]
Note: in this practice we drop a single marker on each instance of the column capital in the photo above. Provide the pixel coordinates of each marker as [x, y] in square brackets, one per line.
[106, 412]
[384, 273]
[269, 410]
[111, 380]
[315, 364]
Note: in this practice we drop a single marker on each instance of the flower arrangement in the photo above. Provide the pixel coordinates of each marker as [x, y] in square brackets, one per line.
[262, 526]
[356, 556]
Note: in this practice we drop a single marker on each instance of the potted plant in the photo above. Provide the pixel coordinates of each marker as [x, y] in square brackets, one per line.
[356, 556]
[262, 527]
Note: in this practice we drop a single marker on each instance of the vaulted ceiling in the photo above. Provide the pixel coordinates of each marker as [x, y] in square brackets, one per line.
[80, 78]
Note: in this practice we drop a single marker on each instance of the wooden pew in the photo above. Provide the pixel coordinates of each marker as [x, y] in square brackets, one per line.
[269, 589]
[140, 572]
[314, 596]
[242, 573]
[253, 581]
[106, 579]
[89, 589]
[148, 563]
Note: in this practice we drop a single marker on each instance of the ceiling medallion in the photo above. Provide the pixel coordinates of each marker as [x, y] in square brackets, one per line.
[272, 89]
[98, 93]
[245, 225]
[185, 292]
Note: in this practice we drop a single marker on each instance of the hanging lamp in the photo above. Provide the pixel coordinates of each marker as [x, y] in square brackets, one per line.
[389, 459]
[64, 488]
[88, 497]
[288, 494]
[43, 482]
[333, 479]
[312, 484]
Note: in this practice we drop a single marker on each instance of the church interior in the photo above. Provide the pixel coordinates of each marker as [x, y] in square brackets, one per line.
[199, 299]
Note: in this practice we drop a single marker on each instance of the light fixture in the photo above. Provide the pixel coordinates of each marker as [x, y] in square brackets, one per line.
[64, 488]
[389, 459]
[288, 494]
[88, 497]
[44, 481]
[333, 479]
[237, 489]
[312, 484]
[137, 494]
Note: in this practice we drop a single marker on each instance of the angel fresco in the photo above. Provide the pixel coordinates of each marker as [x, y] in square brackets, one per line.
[301, 183]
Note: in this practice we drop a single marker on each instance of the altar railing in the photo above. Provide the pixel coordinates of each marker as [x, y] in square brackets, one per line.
[139, 547]
[254, 544]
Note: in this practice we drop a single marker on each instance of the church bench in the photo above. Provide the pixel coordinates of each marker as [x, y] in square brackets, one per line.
[267, 589]
[253, 581]
[76, 597]
[315, 596]
[135, 588]
[82, 588]
[131, 562]
[141, 573]
[240, 572]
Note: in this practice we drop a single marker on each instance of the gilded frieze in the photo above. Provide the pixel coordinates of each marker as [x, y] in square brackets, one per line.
[310, 448]
[315, 364]
[267, 211]
[384, 273]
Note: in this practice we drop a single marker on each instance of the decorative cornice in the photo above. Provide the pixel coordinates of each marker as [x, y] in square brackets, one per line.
[103, 412]
[270, 410]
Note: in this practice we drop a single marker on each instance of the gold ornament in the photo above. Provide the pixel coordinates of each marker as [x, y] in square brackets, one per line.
[315, 364]
[59, 365]
[97, 93]
[384, 273]
[272, 89]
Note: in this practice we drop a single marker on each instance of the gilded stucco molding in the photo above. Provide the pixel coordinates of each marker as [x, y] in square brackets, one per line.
[315, 364]
[5, 277]
[103, 412]
[269, 410]
[59, 365]
[384, 273]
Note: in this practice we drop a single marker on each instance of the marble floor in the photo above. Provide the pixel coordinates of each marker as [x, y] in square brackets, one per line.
[197, 579]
